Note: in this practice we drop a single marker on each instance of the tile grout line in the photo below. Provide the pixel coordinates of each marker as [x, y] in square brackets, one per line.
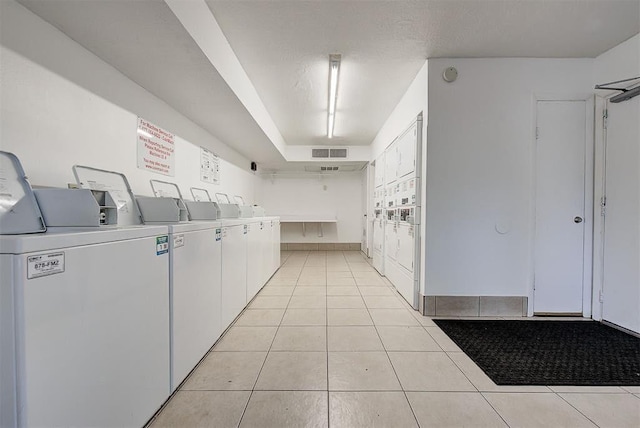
[375, 326]
[474, 385]
[576, 409]
[244, 411]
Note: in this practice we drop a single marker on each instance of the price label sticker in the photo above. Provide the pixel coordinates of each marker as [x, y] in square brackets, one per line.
[162, 244]
[178, 241]
[45, 264]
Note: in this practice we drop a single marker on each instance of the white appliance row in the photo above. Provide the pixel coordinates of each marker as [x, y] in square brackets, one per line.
[99, 325]
[397, 212]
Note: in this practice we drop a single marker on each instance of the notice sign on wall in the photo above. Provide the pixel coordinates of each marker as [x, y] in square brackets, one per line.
[209, 166]
[156, 149]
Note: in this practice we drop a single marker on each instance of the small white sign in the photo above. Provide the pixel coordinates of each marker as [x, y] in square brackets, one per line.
[209, 166]
[155, 149]
[178, 241]
[45, 264]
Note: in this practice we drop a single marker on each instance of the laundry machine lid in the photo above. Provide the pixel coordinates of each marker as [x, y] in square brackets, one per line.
[19, 210]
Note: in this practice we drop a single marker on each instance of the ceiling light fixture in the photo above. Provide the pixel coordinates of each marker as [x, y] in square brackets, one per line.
[334, 70]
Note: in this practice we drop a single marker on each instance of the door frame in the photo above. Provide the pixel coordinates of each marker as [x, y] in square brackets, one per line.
[601, 104]
[587, 270]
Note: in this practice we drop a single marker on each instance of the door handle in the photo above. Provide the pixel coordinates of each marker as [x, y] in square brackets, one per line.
[577, 219]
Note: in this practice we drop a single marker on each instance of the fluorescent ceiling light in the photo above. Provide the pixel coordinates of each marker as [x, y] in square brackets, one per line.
[334, 70]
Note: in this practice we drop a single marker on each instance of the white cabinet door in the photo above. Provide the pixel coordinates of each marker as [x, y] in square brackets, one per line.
[406, 246]
[379, 171]
[407, 145]
[391, 163]
[391, 240]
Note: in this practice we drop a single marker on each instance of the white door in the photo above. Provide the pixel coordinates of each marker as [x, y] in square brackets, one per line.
[560, 210]
[621, 289]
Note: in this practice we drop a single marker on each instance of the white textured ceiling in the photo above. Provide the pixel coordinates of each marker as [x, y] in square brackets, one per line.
[284, 48]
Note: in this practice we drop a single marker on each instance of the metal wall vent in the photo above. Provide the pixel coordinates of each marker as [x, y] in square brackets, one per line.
[337, 153]
[319, 153]
[329, 153]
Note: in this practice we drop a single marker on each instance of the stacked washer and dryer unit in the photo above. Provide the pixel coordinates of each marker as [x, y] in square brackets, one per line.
[106, 309]
[397, 211]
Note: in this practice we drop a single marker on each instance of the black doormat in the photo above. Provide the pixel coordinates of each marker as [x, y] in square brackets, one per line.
[548, 352]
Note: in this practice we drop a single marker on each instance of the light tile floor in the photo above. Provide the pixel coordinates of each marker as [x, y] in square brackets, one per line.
[328, 342]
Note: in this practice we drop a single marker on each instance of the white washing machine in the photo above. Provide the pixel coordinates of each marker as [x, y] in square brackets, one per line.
[255, 257]
[196, 294]
[234, 269]
[273, 242]
[90, 344]
[266, 245]
[195, 259]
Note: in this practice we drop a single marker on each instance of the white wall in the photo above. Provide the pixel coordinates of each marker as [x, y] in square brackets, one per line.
[620, 278]
[480, 169]
[62, 105]
[337, 195]
[410, 105]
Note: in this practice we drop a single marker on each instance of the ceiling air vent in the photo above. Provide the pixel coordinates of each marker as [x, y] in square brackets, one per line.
[319, 153]
[337, 153]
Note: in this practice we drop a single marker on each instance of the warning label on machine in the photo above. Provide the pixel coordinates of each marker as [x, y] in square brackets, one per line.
[162, 244]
